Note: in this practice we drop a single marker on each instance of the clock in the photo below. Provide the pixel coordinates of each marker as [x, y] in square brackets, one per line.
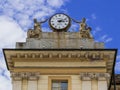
[60, 22]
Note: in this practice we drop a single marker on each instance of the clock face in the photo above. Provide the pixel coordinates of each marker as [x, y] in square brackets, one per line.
[59, 22]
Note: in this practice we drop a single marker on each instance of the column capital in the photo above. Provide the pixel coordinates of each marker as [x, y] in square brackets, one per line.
[33, 76]
[16, 76]
[25, 75]
[99, 76]
[85, 76]
[103, 76]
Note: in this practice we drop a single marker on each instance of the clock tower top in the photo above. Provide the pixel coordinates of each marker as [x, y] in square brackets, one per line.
[60, 37]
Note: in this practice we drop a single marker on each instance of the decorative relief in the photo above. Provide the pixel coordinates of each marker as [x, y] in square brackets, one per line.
[84, 29]
[99, 76]
[66, 20]
[16, 76]
[36, 32]
[86, 56]
[25, 75]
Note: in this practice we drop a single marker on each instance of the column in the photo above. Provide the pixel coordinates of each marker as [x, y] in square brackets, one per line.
[86, 85]
[102, 85]
[24, 84]
[24, 80]
[102, 81]
[38, 83]
[94, 81]
[16, 81]
[94, 84]
[16, 85]
[33, 81]
[86, 81]
[32, 85]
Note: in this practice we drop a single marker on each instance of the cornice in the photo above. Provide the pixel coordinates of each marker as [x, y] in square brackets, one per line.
[81, 55]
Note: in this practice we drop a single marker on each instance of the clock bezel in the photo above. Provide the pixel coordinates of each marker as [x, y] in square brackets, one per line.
[63, 29]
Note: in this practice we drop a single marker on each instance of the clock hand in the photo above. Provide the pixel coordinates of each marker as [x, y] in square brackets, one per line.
[60, 20]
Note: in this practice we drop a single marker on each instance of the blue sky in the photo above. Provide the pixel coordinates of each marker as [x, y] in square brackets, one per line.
[16, 16]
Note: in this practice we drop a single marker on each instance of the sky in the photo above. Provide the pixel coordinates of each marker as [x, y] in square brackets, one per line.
[16, 17]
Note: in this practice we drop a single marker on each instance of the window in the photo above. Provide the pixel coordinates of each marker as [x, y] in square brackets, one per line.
[59, 85]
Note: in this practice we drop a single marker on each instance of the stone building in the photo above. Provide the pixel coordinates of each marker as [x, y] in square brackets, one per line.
[117, 82]
[60, 60]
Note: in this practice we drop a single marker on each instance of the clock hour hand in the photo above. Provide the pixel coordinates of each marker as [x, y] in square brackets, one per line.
[60, 21]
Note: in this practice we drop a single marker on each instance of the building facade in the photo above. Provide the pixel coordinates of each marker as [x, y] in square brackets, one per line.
[117, 82]
[60, 60]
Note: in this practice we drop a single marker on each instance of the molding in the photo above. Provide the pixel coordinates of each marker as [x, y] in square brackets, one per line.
[25, 75]
[59, 64]
[60, 70]
[86, 55]
[98, 76]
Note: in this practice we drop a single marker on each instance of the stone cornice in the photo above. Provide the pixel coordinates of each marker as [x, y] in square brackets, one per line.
[86, 55]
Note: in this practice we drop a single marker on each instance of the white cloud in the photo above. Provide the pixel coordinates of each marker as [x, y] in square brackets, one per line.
[5, 84]
[117, 67]
[93, 16]
[105, 38]
[108, 40]
[23, 11]
[97, 29]
[16, 16]
[45, 29]
[56, 3]
[4, 76]
[10, 32]
[74, 28]
[118, 57]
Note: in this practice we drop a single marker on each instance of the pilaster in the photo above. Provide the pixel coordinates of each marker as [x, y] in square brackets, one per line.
[33, 81]
[103, 81]
[94, 81]
[86, 81]
[16, 81]
[25, 80]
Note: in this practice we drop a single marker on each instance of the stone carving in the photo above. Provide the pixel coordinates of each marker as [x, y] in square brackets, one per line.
[36, 32]
[84, 29]
[83, 24]
[86, 56]
[89, 76]
[37, 25]
[25, 75]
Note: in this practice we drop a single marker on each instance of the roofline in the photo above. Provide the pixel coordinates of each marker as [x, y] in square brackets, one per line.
[5, 58]
[73, 49]
[61, 49]
[113, 70]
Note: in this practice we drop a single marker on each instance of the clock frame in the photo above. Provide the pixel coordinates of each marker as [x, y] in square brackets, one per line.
[60, 22]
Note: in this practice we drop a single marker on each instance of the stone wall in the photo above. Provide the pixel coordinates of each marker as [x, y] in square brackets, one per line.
[60, 40]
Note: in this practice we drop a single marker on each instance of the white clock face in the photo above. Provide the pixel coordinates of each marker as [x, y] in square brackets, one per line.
[59, 21]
